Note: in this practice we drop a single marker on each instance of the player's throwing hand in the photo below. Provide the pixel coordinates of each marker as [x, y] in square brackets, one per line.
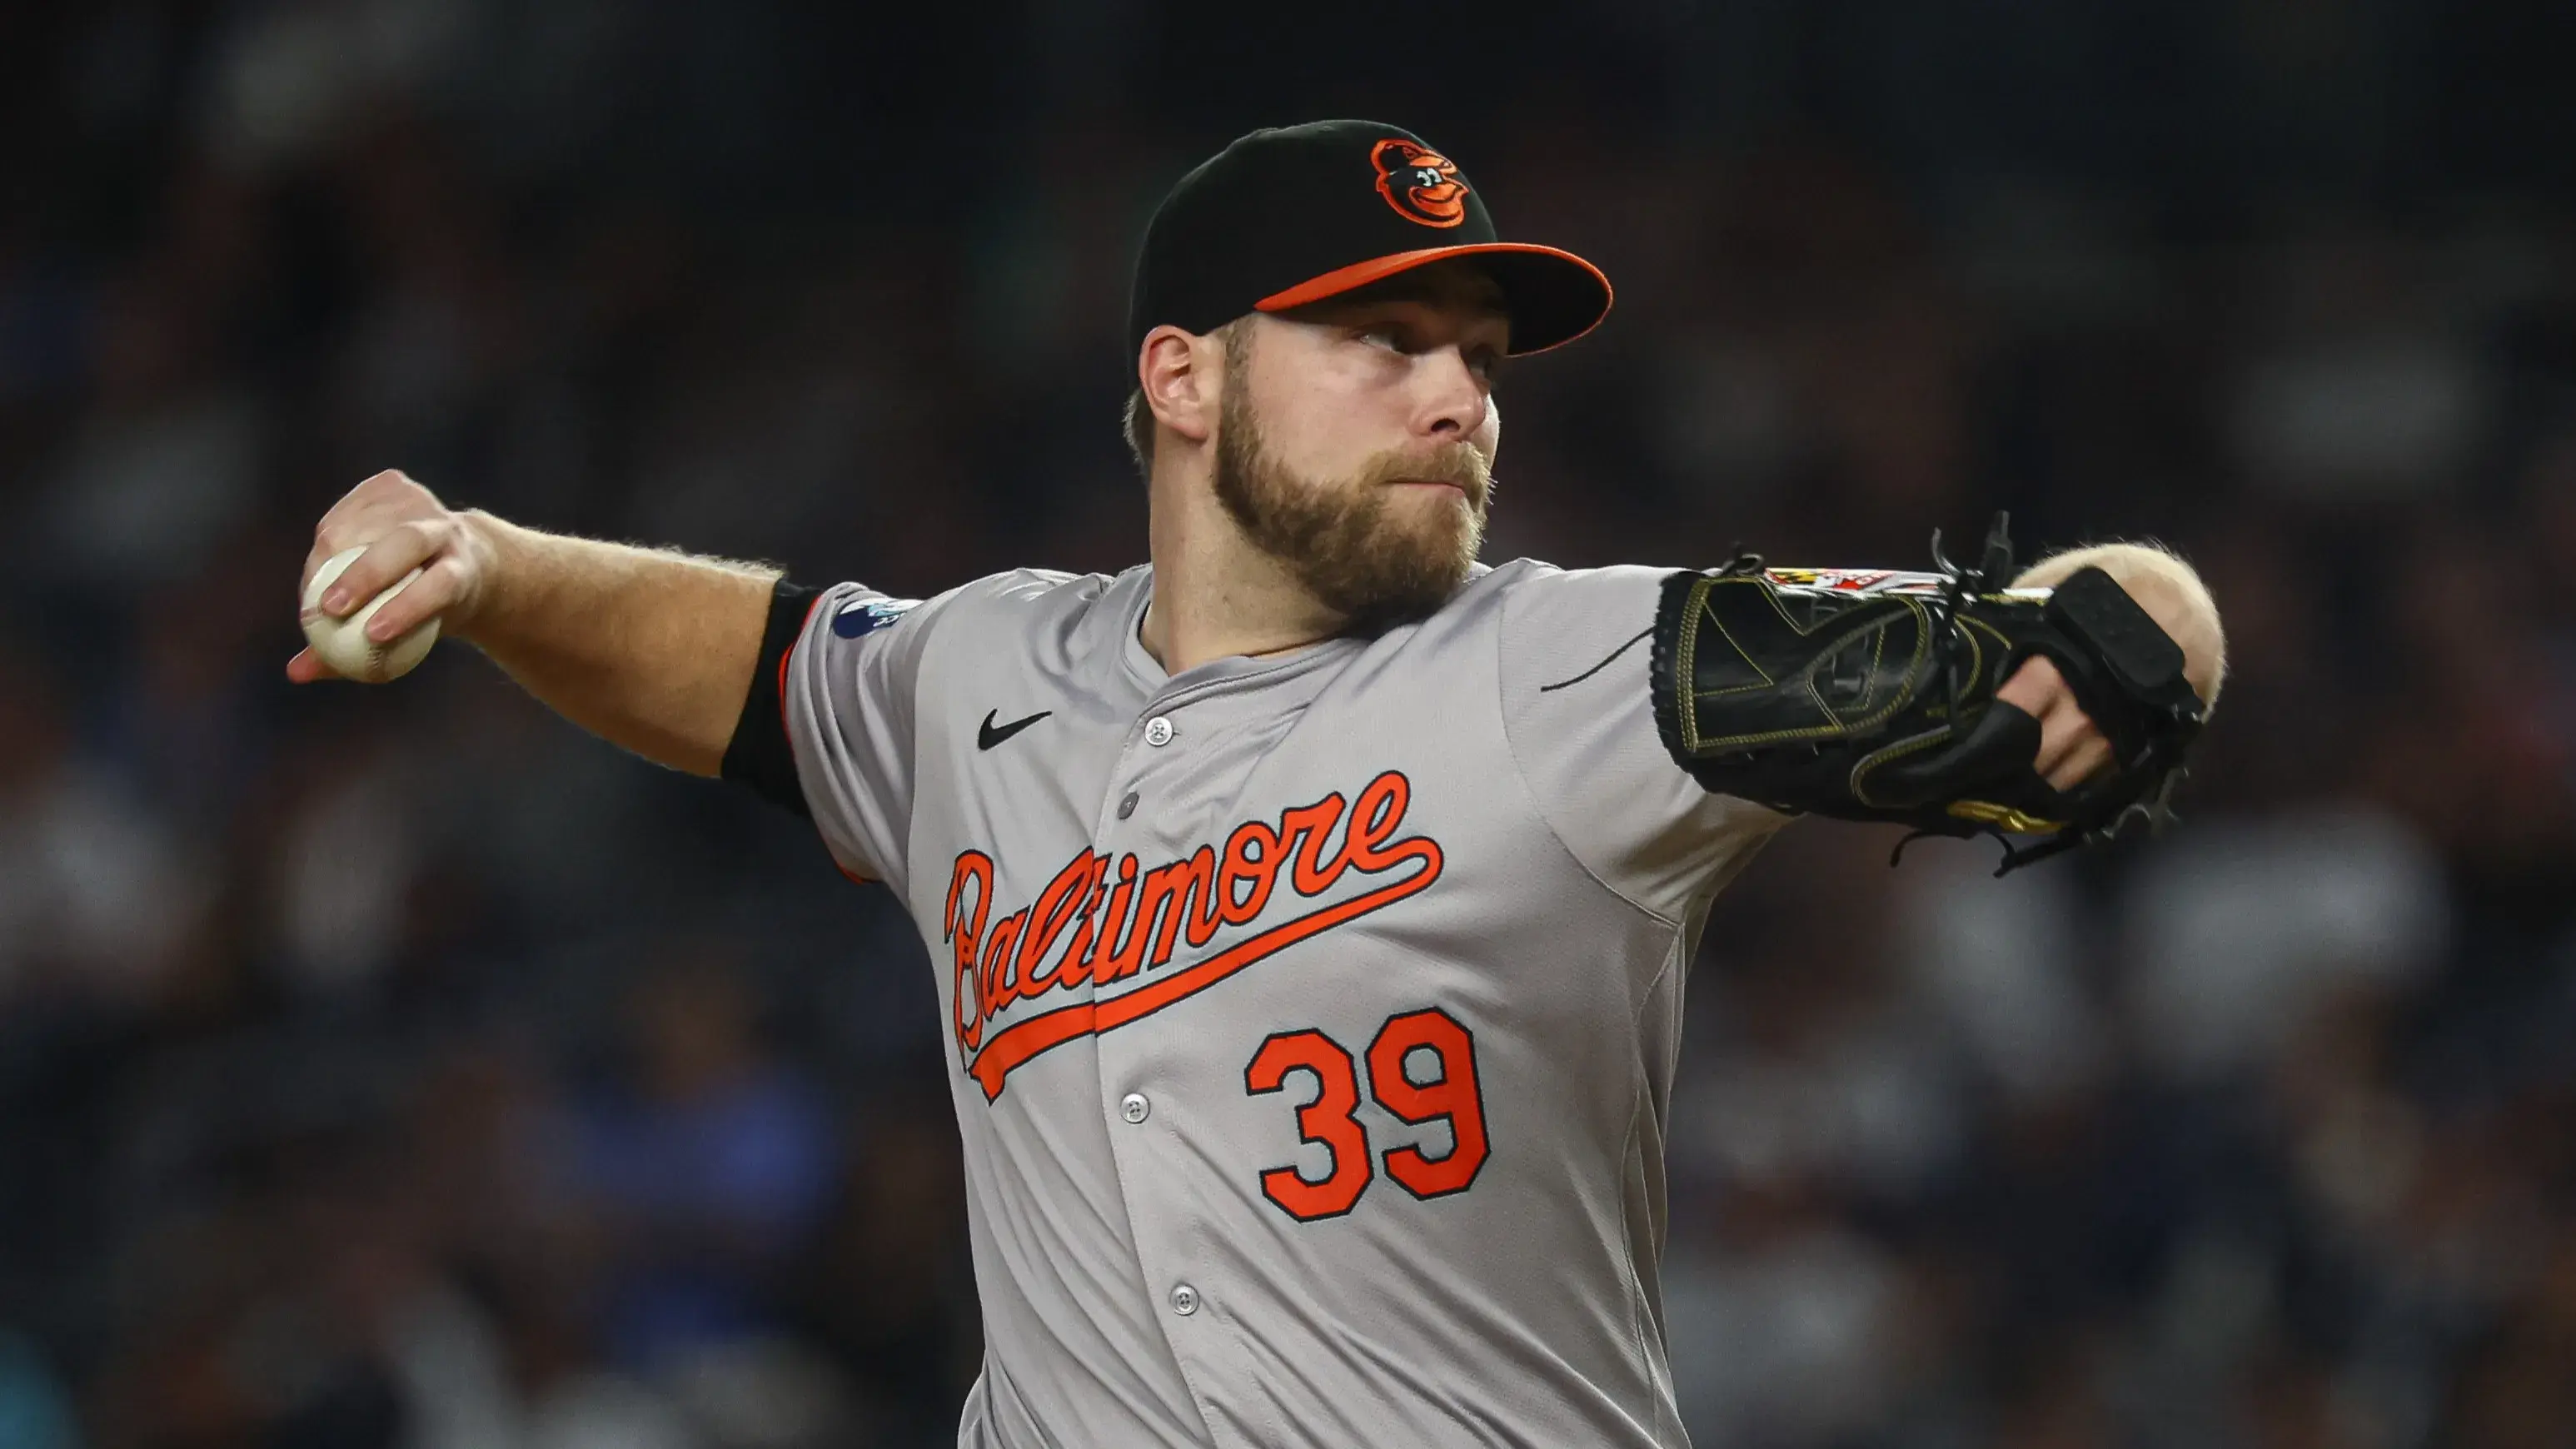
[402, 526]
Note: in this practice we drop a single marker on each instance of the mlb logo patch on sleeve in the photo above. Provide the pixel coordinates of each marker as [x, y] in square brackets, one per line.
[866, 616]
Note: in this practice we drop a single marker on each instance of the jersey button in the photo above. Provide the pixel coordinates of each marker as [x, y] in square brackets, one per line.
[1185, 1300]
[1133, 1107]
[1127, 806]
[1158, 731]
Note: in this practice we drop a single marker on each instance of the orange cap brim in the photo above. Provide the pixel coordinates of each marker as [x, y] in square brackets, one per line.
[1359, 274]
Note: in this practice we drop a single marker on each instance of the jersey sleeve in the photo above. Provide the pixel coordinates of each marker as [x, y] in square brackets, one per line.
[841, 672]
[1579, 716]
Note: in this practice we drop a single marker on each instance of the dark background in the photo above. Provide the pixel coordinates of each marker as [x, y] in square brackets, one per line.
[401, 1067]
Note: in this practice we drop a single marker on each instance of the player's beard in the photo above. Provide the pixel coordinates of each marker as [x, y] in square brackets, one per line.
[1348, 543]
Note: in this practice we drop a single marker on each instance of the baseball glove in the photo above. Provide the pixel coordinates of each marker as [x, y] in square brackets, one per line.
[1871, 696]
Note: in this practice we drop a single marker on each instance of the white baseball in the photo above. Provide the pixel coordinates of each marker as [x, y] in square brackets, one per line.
[343, 643]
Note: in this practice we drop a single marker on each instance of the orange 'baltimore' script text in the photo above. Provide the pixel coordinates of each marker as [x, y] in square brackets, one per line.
[1100, 923]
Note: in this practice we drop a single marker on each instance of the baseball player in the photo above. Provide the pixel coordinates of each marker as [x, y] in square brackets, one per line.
[1311, 906]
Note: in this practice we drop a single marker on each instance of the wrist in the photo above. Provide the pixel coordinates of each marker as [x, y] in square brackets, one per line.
[487, 544]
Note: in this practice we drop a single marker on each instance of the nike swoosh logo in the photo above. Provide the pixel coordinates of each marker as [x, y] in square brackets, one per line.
[986, 736]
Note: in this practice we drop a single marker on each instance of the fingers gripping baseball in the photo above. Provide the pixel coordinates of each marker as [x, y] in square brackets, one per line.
[401, 526]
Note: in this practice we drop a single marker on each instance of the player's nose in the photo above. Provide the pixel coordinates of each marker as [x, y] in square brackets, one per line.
[1453, 398]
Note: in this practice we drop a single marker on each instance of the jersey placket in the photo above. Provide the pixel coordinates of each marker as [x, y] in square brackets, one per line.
[1186, 757]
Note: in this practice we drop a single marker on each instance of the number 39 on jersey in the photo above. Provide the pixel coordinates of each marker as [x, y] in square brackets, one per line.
[1421, 1068]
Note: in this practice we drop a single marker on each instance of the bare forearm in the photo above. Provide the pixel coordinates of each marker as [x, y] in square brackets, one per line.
[651, 650]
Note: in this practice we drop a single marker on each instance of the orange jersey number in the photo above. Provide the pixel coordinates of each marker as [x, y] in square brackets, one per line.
[1421, 1069]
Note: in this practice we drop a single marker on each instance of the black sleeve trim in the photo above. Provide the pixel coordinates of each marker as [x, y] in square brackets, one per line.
[759, 758]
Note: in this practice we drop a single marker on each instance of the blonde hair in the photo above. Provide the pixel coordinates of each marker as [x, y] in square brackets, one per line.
[2164, 586]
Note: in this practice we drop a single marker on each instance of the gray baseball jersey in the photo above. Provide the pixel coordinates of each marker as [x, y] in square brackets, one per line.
[1312, 1018]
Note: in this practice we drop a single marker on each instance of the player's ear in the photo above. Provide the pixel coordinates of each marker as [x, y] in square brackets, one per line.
[1178, 374]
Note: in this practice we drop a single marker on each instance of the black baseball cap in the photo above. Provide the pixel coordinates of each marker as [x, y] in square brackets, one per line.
[1297, 214]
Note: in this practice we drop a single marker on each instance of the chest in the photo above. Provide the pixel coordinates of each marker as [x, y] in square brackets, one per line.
[1208, 852]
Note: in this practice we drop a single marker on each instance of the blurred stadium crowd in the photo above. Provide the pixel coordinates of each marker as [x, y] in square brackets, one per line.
[402, 1068]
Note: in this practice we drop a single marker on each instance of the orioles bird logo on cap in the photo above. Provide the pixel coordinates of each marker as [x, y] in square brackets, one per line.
[1421, 184]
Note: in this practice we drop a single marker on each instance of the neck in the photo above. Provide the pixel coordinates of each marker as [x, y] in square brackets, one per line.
[1215, 595]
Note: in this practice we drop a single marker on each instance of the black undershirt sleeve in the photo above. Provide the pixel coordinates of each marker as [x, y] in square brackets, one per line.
[758, 756]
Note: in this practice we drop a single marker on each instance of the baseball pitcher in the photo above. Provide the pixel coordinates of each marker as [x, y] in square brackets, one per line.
[1311, 906]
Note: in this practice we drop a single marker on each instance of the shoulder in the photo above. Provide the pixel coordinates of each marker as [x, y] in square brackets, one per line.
[1043, 618]
[1029, 590]
[1016, 604]
[1543, 621]
[1530, 593]
[1039, 587]
[1553, 623]
[1535, 578]
[1017, 599]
